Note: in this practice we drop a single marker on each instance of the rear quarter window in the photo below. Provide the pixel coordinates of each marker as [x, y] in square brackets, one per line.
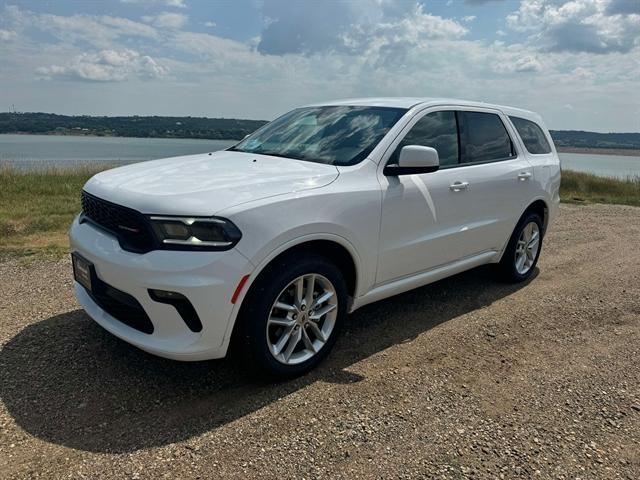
[532, 136]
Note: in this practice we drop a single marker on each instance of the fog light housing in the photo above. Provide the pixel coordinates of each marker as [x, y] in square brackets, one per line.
[181, 304]
[166, 295]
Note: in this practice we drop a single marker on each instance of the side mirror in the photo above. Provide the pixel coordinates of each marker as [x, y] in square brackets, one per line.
[414, 159]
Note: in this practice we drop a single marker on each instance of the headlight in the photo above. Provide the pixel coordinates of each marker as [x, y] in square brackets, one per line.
[198, 233]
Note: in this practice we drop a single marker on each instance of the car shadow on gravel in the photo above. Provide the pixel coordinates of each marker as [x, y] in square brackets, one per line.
[65, 380]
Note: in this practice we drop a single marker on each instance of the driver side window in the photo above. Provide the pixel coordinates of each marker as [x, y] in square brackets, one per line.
[438, 130]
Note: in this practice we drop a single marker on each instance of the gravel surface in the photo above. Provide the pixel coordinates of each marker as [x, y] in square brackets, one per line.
[465, 378]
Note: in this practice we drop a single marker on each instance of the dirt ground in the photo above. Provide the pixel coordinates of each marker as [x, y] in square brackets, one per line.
[465, 378]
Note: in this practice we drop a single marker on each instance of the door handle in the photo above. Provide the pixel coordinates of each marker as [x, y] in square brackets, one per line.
[458, 186]
[522, 176]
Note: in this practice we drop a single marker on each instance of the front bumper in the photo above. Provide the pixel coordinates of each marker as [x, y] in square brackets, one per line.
[207, 279]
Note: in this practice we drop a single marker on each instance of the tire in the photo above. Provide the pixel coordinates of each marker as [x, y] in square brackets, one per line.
[511, 268]
[259, 337]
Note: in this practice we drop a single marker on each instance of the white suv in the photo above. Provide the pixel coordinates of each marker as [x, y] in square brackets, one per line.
[328, 208]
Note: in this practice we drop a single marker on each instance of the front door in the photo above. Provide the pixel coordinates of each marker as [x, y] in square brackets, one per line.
[423, 216]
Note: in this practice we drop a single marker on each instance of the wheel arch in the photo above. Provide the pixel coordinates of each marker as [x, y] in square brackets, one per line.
[334, 247]
[539, 206]
[335, 251]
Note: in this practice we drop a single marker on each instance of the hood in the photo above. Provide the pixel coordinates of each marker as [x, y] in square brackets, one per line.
[201, 185]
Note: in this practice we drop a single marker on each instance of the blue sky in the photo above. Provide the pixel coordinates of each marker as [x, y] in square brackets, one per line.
[576, 62]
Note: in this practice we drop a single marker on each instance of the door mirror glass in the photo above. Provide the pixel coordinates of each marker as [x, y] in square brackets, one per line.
[414, 159]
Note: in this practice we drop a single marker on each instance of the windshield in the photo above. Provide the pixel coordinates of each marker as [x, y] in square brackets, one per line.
[340, 135]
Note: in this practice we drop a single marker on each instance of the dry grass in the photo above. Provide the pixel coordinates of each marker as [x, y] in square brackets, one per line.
[580, 187]
[37, 207]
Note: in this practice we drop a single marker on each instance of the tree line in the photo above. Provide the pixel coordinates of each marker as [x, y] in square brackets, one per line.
[227, 128]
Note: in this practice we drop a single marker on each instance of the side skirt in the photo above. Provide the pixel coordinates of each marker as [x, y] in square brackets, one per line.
[423, 278]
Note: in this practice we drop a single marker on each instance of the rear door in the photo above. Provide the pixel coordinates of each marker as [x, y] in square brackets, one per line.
[499, 178]
[541, 155]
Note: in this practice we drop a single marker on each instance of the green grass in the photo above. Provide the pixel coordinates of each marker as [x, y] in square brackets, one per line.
[37, 207]
[580, 187]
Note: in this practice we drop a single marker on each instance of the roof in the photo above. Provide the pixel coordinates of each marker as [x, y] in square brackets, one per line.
[409, 102]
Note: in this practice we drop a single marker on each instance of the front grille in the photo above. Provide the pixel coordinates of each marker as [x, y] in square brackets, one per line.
[129, 226]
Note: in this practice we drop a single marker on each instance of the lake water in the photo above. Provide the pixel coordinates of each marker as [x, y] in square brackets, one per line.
[603, 165]
[35, 151]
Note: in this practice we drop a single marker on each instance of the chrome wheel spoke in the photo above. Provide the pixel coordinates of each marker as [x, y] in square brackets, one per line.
[294, 339]
[307, 341]
[321, 312]
[282, 341]
[311, 283]
[283, 322]
[285, 306]
[322, 298]
[317, 332]
[299, 291]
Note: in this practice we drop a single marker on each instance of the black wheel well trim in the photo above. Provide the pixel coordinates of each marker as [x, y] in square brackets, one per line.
[331, 249]
[540, 207]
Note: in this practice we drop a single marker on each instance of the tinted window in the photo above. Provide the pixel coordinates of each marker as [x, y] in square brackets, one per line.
[532, 136]
[483, 138]
[437, 130]
[340, 135]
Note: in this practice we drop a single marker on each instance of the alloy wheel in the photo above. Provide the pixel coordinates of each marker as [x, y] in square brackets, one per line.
[527, 248]
[302, 319]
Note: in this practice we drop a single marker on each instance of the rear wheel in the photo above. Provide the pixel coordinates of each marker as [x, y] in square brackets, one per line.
[523, 250]
[291, 317]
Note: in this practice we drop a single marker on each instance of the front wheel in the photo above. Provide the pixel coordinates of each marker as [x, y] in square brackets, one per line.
[523, 250]
[292, 315]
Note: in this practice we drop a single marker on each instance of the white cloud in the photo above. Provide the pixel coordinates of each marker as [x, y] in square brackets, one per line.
[309, 27]
[166, 3]
[98, 30]
[528, 63]
[210, 24]
[106, 66]
[577, 25]
[174, 21]
[468, 18]
[6, 35]
[390, 48]
[389, 43]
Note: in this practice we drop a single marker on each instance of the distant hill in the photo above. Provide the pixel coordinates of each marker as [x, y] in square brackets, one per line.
[161, 127]
[228, 128]
[580, 139]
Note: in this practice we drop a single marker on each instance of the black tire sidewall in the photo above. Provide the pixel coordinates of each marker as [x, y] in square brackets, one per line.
[257, 307]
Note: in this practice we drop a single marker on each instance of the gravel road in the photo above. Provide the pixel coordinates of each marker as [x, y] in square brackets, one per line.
[465, 378]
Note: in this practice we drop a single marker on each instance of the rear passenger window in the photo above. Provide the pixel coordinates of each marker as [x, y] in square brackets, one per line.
[437, 130]
[483, 138]
[532, 136]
